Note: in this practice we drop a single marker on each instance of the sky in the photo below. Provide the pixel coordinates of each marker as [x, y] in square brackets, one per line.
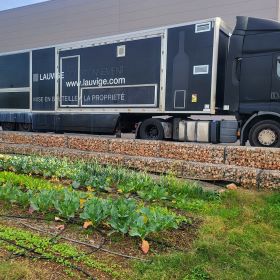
[5, 5]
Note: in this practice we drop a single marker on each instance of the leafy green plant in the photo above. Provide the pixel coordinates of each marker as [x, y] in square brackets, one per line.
[127, 187]
[13, 194]
[154, 193]
[67, 203]
[100, 182]
[96, 210]
[153, 220]
[122, 214]
[42, 201]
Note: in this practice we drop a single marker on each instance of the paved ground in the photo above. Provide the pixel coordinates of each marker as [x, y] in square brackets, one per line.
[132, 136]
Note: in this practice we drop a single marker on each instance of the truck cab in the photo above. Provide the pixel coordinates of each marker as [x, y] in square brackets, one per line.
[252, 87]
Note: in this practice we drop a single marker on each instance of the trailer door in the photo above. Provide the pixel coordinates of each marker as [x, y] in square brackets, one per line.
[70, 81]
[189, 68]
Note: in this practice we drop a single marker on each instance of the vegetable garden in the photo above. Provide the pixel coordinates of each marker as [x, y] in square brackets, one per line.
[115, 200]
[90, 219]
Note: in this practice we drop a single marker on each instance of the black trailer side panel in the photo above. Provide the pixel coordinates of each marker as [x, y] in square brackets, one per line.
[43, 76]
[14, 82]
[87, 123]
[14, 100]
[90, 123]
[189, 68]
[126, 74]
[14, 71]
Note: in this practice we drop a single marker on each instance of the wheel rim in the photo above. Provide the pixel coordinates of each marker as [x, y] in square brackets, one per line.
[267, 137]
[152, 132]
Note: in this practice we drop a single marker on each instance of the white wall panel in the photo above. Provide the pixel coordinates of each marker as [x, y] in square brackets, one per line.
[59, 21]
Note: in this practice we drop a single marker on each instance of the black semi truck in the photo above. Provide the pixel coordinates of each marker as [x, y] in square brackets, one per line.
[152, 82]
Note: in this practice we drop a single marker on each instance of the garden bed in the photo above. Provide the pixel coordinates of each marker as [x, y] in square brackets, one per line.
[132, 208]
[103, 222]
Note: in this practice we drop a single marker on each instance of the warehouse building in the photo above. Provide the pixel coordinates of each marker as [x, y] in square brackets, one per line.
[60, 21]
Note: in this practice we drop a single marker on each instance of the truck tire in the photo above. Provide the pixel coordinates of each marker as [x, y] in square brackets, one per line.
[265, 134]
[151, 129]
[25, 127]
[8, 126]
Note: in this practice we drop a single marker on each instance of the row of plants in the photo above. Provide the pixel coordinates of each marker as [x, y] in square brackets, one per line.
[21, 243]
[29, 182]
[108, 179]
[121, 215]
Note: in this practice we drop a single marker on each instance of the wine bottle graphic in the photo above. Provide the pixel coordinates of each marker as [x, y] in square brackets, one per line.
[181, 68]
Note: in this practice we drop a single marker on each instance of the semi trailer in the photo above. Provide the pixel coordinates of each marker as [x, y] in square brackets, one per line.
[152, 82]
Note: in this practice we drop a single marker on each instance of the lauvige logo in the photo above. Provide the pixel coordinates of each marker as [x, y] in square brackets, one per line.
[47, 76]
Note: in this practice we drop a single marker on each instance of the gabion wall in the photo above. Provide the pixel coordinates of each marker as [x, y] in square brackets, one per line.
[257, 168]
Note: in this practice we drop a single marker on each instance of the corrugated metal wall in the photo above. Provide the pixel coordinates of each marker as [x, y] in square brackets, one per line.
[59, 21]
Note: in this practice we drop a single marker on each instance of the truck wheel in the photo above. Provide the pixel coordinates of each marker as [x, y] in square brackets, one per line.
[151, 129]
[265, 134]
[8, 126]
[26, 127]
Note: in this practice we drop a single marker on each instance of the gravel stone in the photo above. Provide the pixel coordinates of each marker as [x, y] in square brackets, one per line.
[192, 152]
[269, 180]
[85, 143]
[16, 138]
[134, 147]
[48, 140]
[263, 158]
